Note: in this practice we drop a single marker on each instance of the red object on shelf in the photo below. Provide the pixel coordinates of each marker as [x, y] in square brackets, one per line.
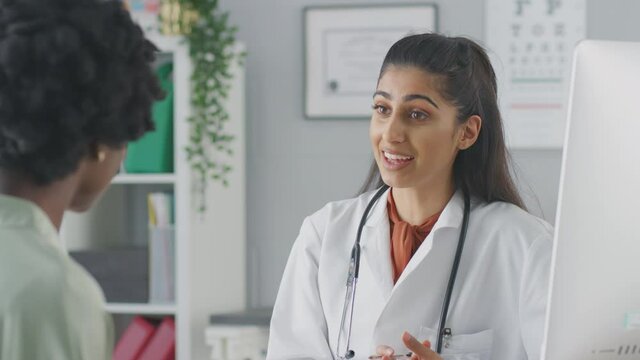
[134, 339]
[162, 345]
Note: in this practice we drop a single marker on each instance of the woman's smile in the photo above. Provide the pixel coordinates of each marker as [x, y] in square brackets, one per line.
[395, 161]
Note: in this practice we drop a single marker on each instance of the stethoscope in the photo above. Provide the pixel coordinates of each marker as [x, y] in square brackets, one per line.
[444, 333]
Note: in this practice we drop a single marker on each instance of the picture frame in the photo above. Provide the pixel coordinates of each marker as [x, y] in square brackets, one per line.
[344, 49]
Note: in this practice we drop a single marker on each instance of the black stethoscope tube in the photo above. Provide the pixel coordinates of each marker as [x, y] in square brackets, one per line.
[454, 273]
[355, 258]
[355, 253]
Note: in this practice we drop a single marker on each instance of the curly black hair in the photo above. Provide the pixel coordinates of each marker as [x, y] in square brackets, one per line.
[73, 74]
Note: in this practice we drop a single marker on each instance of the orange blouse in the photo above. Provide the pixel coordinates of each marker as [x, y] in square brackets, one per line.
[405, 238]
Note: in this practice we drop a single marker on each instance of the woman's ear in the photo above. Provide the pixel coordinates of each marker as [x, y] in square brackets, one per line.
[98, 152]
[470, 130]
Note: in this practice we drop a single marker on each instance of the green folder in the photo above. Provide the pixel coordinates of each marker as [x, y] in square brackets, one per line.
[153, 153]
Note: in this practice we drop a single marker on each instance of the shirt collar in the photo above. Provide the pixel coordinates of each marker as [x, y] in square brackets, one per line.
[20, 213]
[451, 216]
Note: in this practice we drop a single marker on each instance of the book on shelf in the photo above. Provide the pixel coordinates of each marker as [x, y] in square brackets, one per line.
[161, 247]
[163, 343]
[161, 209]
[134, 339]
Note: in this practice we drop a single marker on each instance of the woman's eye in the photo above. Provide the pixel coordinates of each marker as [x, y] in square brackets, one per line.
[380, 109]
[418, 115]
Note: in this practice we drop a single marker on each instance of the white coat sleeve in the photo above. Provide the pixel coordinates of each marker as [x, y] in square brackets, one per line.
[533, 295]
[298, 326]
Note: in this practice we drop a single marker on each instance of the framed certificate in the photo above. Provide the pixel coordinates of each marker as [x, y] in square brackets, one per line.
[344, 49]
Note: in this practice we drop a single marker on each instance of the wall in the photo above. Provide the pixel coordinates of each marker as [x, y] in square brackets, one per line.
[294, 166]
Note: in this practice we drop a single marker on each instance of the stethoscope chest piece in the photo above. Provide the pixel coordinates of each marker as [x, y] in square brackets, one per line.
[446, 337]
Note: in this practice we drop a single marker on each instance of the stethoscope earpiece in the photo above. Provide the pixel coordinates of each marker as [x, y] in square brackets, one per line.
[350, 354]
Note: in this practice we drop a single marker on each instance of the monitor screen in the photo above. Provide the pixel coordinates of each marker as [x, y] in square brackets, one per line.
[594, 308]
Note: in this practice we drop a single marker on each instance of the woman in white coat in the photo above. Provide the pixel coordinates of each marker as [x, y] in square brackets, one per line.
[436, 134]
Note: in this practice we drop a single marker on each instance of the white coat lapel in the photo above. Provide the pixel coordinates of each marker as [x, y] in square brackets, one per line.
[451, 217]
[421, 282]
[376, 247]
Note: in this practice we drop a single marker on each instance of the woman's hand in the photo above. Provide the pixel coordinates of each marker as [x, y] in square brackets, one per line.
[420, 351]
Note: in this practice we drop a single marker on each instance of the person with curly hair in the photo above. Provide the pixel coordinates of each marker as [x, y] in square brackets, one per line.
[76, 85]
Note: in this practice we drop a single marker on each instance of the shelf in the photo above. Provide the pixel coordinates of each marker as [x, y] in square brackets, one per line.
[144, 179]
[168, 44]
[141, 309]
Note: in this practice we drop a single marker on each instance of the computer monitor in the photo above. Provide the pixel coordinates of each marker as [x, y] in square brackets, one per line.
[594, 307]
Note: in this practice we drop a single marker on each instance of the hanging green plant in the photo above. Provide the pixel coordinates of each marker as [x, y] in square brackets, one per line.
[211, 46]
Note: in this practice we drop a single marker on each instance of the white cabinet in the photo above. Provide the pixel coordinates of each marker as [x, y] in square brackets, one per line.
[209, 248]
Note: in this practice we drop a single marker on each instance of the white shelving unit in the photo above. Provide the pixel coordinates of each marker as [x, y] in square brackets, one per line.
[210, 248]
[141, 309]
[124, 179]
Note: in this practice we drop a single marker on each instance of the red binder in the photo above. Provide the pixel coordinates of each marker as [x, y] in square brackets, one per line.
[162, 345]
[134, 339]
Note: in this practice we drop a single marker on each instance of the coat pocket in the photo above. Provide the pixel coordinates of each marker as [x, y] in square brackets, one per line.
[475, 346]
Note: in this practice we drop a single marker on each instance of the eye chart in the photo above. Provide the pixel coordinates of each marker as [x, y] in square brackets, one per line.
[531, 44]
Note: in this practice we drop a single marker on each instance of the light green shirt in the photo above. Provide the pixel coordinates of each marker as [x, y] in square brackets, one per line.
[50, 307]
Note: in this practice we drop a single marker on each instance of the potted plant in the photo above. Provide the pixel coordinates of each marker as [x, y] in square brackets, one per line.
[211, 47]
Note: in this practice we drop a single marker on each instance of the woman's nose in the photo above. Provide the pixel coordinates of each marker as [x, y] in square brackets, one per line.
[395, 130]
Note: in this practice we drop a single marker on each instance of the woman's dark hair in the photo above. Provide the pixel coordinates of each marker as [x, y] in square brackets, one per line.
[73, 74]
[467, 80]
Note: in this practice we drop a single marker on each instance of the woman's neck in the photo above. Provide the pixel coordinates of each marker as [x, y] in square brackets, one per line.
[415, 205]
[53, 199]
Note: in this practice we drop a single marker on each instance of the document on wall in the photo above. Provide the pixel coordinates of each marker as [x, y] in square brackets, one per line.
[344, 49]
[531, 47]
[353, 58]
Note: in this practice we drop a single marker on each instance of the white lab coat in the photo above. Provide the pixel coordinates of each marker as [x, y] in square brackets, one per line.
[497, 307]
